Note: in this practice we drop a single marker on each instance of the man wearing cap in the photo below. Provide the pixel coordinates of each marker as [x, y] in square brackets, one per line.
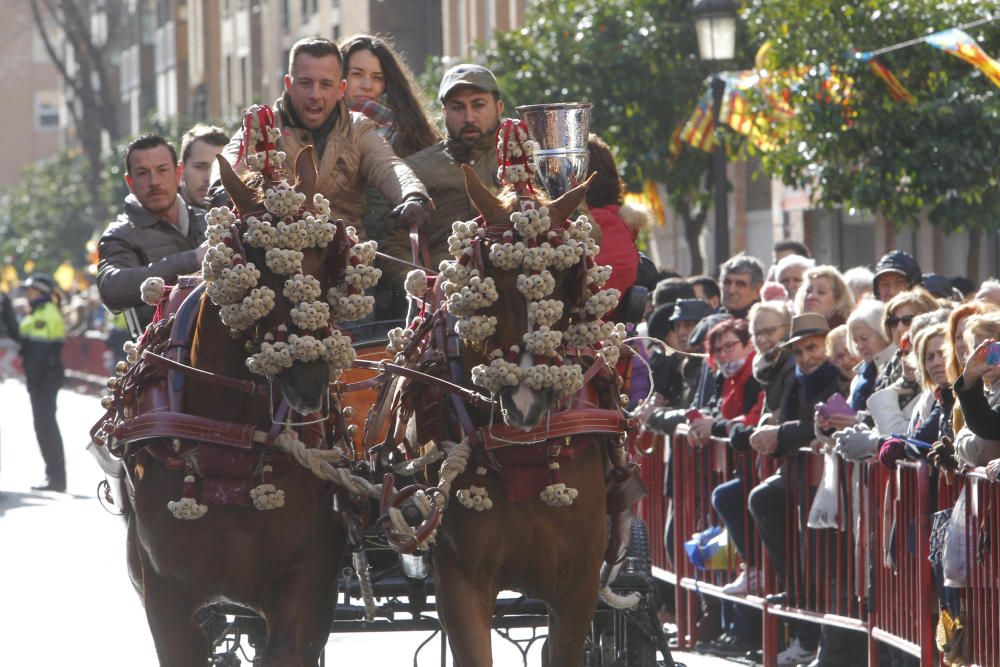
[471, 106]
[897, 271]
[42, 332]
[675, 376]
[156, 234]
[815, 380]
[351, 156]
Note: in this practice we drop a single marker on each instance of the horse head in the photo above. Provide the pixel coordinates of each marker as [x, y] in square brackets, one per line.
[526, 293]
[283, 274]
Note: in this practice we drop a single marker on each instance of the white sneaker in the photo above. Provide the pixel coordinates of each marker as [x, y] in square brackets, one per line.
[749, 580]
[794, 654]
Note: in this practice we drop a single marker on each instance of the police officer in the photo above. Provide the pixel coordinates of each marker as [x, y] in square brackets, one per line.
[42, 334]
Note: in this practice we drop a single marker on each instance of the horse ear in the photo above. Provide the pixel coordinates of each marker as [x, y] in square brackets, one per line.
[561, 208]
[485, 201]
[305, 168]
[242, 196]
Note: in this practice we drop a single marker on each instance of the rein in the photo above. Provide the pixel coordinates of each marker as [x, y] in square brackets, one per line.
[388, 370]
[245, 386]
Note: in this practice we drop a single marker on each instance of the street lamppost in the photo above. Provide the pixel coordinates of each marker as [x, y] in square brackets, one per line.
[715, 25]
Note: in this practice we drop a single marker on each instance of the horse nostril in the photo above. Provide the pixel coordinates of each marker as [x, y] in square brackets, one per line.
[304, 385]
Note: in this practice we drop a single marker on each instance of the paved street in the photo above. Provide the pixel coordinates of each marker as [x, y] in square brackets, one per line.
[65, 598]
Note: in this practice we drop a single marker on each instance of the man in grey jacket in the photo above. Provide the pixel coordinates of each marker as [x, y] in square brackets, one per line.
[156, 234]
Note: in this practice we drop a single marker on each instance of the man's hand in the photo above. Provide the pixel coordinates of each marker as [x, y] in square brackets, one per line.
[700, 432]
[765, 440]
[414, 212]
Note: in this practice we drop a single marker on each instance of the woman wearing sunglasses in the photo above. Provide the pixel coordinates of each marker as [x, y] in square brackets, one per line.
[899, 314]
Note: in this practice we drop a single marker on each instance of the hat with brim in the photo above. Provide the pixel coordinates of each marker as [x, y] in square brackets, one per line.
[697, 338]
[806, 325]
[691, 310]
[474, 76]
[658, 324]
[41, 283]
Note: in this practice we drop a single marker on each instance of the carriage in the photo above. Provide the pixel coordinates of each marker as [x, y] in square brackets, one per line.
[227, 399]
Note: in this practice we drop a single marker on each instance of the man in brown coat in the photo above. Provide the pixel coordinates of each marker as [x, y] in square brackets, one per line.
[351, 155]
[471, 105]
[156, 234]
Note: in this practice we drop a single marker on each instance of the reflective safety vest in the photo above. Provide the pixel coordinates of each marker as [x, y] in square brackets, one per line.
[44, 324]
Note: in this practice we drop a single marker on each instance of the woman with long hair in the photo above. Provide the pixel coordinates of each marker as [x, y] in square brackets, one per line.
[381, 86]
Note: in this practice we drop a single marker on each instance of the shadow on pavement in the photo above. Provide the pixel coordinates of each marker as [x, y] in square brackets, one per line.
[12, 500]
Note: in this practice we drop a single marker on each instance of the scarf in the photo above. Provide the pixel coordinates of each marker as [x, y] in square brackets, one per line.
[812, 384]
[291, 119]
[379, 113]
[767, 367]
[733, 403]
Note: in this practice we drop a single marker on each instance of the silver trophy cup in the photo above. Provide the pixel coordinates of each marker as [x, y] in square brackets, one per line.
[561, 131]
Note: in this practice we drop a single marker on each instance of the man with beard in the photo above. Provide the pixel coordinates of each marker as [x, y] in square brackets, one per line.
[350, 154]
[471, 105]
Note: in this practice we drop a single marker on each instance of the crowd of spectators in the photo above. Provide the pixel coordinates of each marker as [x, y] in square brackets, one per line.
[880, 365]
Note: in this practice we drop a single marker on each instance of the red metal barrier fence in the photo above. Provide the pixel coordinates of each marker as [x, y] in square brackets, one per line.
[871, 575]
[86, 358]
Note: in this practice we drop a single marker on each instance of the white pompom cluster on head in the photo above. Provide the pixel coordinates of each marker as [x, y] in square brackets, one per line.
[289, 224]
[348, 302]
[277, 355]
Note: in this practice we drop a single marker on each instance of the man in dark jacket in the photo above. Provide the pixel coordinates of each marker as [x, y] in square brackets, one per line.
[815, 380]
[471, 106]
[156, 234]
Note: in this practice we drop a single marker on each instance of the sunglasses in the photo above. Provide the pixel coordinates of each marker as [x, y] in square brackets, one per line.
[892, 321]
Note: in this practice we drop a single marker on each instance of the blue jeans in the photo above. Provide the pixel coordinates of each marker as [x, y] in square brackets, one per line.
[728, 501]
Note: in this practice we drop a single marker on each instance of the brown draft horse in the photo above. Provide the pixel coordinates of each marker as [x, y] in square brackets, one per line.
[553, 554]
[280, 563]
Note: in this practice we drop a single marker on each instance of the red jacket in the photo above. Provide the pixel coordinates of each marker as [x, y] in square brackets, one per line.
[617, 248]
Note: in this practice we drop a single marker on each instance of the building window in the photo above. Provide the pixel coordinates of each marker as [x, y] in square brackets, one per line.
[305, 10]
[46, 111]
[286, 15]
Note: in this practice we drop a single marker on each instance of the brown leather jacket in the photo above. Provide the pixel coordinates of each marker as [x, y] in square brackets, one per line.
[439, 168]
[354, 158]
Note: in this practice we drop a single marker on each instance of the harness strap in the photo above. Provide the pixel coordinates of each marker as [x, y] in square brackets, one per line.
[185, 427]
[561, 425]
[246, 386]
[594, 369]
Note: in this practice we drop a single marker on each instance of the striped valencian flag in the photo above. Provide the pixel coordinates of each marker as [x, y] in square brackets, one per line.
[699, 131]
[959, 43]
[897, 91]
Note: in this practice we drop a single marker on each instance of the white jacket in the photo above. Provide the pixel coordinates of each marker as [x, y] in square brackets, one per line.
[883, 405]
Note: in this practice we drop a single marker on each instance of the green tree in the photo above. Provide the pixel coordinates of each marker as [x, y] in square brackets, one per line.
[935, 156]
[50, 215]
[637, 62]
